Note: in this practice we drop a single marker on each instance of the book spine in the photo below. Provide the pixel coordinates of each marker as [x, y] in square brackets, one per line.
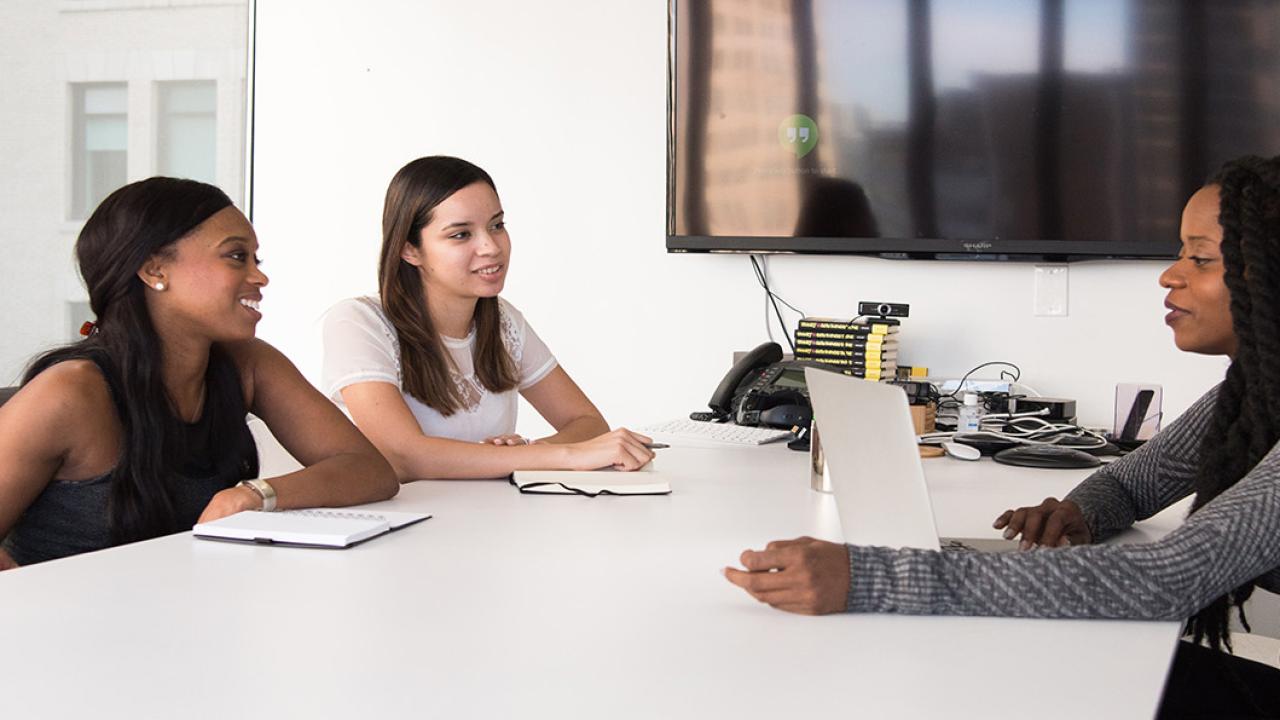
[881, 328]
[868, 374]
[874, 341]
[888, 366]
[912, 372]
[803, 353]
[843, 333]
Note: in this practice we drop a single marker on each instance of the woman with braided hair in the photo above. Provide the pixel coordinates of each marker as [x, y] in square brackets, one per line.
[1223, 299]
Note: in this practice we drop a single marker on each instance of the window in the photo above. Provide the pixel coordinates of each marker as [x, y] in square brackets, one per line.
[186, 133]
[100, 142]
[98, 94]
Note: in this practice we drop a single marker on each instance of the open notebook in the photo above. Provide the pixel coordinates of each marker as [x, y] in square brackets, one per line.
[644, 481]
[307, 528]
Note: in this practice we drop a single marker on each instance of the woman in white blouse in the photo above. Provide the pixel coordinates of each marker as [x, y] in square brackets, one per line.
[429, 370]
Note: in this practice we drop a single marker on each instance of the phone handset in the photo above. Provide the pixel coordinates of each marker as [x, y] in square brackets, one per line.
[762, 356]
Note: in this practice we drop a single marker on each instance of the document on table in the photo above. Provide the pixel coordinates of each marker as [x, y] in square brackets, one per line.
[645, 481]
[307, 528]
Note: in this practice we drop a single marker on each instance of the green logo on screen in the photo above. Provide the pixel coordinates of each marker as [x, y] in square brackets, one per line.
[798, 134]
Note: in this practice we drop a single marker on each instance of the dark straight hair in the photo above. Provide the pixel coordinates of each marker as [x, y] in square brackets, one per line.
[426, 366]
[1245, 426]
[133, 224]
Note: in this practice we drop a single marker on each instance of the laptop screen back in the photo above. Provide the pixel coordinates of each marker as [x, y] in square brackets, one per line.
[872, 457]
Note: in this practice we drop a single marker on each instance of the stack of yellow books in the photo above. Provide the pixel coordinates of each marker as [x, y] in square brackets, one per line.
[861, 348]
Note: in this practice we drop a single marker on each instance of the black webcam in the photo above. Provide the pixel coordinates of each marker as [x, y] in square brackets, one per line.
[884, 309]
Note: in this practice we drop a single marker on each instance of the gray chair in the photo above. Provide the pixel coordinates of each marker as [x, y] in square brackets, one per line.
[6, 393]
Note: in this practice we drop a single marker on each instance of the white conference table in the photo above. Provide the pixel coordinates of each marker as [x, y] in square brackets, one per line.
[509, 605]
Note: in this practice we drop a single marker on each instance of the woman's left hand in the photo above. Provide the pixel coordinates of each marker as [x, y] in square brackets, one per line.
[229, 502]
[804, 575]
[511, 439]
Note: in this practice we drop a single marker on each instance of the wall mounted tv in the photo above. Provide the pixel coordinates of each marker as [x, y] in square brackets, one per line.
[959, 129]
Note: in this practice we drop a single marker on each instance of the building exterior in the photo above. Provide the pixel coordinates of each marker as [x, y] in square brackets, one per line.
[99, 93]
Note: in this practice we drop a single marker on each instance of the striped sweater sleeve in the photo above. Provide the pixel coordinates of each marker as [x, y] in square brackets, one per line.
[1148, 480]
[1232, 539]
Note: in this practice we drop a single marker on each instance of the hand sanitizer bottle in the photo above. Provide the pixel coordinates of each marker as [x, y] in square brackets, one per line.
[969, 419]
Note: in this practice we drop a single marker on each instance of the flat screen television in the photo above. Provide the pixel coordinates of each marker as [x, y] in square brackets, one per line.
[959, 129]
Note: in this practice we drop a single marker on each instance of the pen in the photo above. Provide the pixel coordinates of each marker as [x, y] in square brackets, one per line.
[656, 445]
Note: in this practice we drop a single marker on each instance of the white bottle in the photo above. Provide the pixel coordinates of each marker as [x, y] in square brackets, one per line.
[970, 417]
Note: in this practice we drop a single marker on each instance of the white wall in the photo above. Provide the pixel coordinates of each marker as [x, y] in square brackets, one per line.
[563, 101]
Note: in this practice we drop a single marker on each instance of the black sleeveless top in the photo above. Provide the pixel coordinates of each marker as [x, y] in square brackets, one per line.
[70, 516]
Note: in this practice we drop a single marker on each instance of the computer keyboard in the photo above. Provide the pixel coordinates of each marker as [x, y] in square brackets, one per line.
[720, 432]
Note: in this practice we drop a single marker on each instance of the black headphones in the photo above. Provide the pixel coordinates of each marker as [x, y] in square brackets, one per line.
[780, 408]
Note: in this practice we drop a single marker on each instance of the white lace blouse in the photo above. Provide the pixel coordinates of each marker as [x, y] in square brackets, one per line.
[360, 345]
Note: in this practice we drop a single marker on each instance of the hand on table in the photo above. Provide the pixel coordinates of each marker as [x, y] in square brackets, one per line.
[804, 575]
[229, 502]
[6, 562]
[620, 449]
[1052, 523]
[511, 439]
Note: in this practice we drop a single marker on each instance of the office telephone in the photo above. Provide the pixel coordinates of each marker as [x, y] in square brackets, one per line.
[763, 389]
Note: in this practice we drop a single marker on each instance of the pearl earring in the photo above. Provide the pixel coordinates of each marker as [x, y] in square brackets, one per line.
[160, 286]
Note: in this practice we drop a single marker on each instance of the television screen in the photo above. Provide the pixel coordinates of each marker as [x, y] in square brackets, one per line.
[986, 129]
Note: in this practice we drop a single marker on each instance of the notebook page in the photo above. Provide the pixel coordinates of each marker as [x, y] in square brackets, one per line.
[307, 527]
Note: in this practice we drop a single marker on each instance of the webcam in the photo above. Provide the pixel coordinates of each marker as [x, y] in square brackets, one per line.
[884, 309]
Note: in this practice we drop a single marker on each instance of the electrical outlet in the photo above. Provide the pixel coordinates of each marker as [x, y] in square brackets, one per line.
[1051, 290]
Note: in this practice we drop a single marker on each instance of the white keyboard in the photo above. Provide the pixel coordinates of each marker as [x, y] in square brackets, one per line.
[720, 432]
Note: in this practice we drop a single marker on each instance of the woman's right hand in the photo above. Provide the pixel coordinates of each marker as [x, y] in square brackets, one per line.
[620, 449]
[1052, 523]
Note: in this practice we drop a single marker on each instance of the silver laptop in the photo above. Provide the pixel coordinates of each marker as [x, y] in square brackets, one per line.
[874, 467]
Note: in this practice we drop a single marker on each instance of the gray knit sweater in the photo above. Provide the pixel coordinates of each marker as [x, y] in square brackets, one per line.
[1232, 539]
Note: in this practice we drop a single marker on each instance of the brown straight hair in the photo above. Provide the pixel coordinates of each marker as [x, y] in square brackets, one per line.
[425, 365]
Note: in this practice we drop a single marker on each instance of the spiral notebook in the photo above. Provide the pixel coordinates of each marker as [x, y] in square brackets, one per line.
[306, 528]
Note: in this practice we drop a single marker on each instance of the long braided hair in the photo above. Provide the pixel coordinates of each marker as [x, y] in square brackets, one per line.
[1245, 426]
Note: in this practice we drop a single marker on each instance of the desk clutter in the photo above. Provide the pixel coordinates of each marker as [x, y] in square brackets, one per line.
[1016, 428]
[1012, 428]
[765, 397]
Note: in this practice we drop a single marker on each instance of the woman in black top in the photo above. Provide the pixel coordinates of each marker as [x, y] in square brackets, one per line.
[139, 430]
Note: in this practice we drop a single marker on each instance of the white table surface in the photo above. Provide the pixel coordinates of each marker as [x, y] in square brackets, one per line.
[508, 605]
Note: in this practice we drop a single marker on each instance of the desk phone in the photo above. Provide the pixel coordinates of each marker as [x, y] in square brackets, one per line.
[763, 389]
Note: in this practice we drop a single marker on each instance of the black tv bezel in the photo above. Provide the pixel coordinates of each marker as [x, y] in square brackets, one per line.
[1054, 251]
[893, 248]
